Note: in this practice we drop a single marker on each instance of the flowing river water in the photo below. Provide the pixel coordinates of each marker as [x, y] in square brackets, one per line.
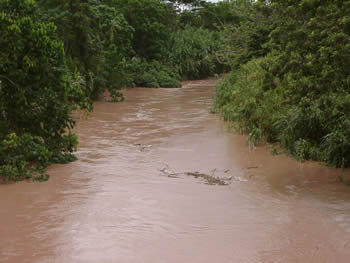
[132, 197]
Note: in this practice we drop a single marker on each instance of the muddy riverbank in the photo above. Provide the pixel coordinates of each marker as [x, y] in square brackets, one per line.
[139, 193]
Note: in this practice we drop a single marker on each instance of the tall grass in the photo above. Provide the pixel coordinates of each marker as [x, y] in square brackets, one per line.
[309, 127]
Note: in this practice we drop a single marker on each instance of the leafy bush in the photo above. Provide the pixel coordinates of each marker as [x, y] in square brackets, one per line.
[242, 97]
[23, 157]
[193, 52]
[37, 92]
[154, 75]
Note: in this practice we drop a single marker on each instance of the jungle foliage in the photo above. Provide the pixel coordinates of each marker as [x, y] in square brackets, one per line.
[291, 78]
[37, 93]
[58, 56]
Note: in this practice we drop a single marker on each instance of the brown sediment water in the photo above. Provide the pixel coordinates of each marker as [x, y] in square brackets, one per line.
[141, 193]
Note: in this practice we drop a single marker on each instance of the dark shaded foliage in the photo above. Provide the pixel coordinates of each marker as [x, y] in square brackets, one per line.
[37, 92]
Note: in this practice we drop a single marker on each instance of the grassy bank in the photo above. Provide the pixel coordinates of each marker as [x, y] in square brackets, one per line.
[310, 127]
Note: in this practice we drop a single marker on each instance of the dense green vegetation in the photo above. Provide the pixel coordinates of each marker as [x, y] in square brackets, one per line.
[37, 93]
[58, 56]
[291, 77]
[290, 61]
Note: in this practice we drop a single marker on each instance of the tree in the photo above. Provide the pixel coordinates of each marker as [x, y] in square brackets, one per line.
[97, 40]
[37, 92]
[153, 22]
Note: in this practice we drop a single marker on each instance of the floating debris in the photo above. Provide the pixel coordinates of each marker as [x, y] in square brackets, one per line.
[252, 167]
[210, 179]
[166, 171]
[143, 147]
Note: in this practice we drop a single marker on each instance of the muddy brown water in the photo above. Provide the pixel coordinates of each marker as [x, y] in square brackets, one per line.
[126, 199]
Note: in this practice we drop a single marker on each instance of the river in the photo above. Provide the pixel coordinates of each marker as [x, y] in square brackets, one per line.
[137, 194]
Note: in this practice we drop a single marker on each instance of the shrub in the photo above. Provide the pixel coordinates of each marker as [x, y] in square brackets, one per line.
[154, 75]
[23, 157]
[315, 128]
[193, 52]
[37, 93]
[298, 94]
[241, 98]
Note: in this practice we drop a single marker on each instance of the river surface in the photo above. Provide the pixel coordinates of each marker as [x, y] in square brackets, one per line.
[130, 197]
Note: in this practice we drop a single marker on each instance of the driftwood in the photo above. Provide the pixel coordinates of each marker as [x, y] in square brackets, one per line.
[210, 179]
[252, 167]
